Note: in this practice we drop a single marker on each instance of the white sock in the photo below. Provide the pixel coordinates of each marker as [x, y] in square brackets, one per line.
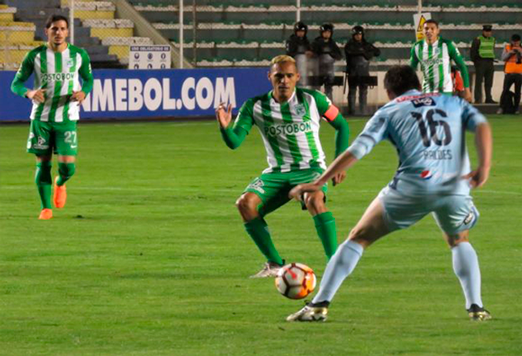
[466, 267]
[340, 266]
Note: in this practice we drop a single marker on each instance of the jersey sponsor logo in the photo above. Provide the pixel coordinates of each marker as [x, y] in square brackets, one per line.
[41, 144]
[257, 185]
[426, 174]
[416, 97]
[468, 219]
[428, 62]
[288, 129]
[57, 77]
[425, 101]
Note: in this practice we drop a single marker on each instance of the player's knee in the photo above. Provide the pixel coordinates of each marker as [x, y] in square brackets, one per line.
[66, 170]
[360, 235]
[245, 205]
[315, 202]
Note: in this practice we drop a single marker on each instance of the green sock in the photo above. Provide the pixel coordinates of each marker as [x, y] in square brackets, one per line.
[258, 231]
[325, 226]
[66, 171]
[44, 183]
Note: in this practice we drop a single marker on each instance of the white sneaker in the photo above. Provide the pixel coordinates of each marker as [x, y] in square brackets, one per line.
[270, 269]
[309, 313]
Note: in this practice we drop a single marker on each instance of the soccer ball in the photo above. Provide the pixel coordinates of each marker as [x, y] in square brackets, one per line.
[295, 280]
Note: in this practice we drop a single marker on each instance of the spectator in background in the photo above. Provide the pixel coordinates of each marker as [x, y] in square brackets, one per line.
[512, 55]
[327, 52]
[298, 47]
[483, 54]
[358, 54]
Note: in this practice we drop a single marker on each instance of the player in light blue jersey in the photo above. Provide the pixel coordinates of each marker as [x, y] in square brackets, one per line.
[434, 176]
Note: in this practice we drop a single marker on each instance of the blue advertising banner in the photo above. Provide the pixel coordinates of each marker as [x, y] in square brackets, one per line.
[151, 93]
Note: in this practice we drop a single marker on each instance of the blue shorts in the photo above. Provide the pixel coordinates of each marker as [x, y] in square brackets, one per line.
[453, 213]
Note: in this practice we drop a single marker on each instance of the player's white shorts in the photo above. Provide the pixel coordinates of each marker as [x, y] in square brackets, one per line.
[453, 213]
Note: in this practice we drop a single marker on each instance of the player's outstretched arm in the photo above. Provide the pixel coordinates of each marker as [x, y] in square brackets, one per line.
[340, 164]
[484, 147]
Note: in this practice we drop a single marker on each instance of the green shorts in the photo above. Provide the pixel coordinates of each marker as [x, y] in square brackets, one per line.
[273, 188]
[48, 137]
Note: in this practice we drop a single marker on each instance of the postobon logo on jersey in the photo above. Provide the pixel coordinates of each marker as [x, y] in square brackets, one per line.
[288, 129]
[57, 77]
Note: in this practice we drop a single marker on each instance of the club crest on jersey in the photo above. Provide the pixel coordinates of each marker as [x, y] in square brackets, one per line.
[70, 63]
[300, 110]
[426, 174]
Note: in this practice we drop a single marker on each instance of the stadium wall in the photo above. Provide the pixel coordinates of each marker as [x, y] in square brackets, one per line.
[125, 94]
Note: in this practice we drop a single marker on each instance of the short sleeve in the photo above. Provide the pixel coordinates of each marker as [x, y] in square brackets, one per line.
[471, 117]
[375, 131]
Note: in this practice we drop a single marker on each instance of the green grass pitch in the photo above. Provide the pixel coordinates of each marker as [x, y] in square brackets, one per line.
[149, 257]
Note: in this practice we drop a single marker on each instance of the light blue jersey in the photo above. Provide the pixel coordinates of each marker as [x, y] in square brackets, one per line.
[428, 131]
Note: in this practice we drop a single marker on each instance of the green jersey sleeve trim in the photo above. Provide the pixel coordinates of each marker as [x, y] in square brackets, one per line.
[85, 72]
[24, 72]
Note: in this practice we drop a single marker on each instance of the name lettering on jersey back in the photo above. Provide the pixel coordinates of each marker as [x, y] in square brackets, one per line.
[288, 129]
[57, 77]
[439, 155]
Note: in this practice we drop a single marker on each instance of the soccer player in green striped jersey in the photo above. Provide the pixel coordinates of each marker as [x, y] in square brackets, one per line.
[434, 54]
[288, 119]
[56, 96]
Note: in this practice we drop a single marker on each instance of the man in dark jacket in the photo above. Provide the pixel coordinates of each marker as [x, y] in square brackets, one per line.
[298, 47]
[358, 53]
[327, 52]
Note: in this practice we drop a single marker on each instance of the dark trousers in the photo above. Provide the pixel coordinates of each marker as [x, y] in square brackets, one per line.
[509, 80]
[484, 71]
[363, 94]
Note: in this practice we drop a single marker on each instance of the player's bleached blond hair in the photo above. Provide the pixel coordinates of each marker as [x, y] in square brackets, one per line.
[282, 59]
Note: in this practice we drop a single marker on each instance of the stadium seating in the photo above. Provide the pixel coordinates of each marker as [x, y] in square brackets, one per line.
[248, 31]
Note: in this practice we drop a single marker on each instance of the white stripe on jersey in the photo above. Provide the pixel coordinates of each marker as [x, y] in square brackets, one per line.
[283, 143]
[448, 85]
[316, 122]
[270, 156]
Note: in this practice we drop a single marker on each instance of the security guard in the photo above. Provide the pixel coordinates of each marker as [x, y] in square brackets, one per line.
[327, 52]
[483, 54]
[298, 47]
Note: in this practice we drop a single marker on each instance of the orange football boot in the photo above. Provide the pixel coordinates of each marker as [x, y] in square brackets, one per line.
[59, 195]
[46, 214]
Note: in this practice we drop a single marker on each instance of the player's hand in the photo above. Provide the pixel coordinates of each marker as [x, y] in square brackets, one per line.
[297, 192]
[338, 178]
[467, 95]
[78, 96]
[36, 95]
[478, 177]
[224, 117]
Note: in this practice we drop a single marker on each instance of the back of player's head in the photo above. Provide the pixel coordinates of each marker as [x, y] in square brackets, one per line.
[54, 18]
[433, 22]
[300, 26]
[400, 79]
[515, 38]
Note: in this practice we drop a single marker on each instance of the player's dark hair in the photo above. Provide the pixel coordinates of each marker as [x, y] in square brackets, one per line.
[515, 38]
[432, 21]
[400, 79]
[54, 18]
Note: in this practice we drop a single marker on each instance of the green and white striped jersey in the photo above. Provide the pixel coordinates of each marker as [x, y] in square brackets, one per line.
[59, 73]
[290, 130]
[435, 61]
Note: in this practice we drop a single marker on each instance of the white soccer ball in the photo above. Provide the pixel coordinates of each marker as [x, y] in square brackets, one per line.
[295, 280]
